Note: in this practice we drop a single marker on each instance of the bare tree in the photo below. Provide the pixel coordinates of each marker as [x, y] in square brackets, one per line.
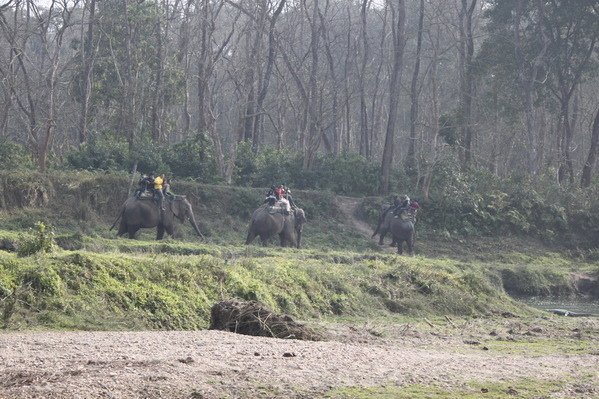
[398, 16]
[411, 165]
[466, 54]
[587, 170]
[87, 55]
[41, 66]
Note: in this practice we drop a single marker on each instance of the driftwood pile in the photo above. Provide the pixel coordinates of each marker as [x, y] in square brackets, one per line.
[252, 318]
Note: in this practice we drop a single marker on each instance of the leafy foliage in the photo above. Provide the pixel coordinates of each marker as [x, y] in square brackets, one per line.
[103, 152]
[343, 174]
[42, 241]
[14, 156]
[192, 157]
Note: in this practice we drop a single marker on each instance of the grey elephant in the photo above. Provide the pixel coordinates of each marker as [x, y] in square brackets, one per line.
[384, 225]
[145, 213]
[402, 229]
[266, 223]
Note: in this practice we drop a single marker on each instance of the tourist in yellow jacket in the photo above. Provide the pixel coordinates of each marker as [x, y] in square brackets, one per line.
[158, 181]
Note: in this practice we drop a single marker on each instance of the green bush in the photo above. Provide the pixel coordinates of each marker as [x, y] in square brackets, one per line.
[193, 158]
[14, 156]
[42, 279]
[42, 241]
[104, 152]
[149, 156]
[272, 166]
[343, 174]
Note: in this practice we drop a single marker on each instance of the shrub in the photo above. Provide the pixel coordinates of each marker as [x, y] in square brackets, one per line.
[149, 156]
[14, 156]
[104, 152]
[342, 174]
[192, 157]
[42, 241]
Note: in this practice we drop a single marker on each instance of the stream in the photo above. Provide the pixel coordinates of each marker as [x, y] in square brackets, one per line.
[570, 304]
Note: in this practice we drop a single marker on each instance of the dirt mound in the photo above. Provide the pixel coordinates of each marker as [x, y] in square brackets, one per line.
[252, 318]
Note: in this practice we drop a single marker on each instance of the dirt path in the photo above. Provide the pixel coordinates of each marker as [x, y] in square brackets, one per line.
[210, 364]
[349, 207]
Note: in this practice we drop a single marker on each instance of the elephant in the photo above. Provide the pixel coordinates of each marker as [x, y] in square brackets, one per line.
[139, 213]
[266, 223]
[384, 225]
[402, 228]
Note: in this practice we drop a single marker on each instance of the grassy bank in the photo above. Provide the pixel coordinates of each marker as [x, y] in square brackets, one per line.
[125, 284]
[94, 281]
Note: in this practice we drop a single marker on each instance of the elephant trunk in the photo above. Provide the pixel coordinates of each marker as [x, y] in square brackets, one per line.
[194, 224]
[299, 238]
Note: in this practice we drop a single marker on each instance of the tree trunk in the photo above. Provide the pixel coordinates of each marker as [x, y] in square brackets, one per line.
[265, 81]
[587, 170]
[314, 134]
[411, 164]
[364, 135]
[527, 84]
[88, 54]
[157, 100]
[399, 19]
[467, 78]
[128, 101]
[430, 164]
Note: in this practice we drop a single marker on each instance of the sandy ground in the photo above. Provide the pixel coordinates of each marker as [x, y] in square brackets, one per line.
[212, 364]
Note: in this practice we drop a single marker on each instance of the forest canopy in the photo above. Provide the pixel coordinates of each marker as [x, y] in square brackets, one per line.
[358, 96]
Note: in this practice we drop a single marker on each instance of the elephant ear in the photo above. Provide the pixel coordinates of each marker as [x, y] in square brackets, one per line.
[300, 216]
[176, 208]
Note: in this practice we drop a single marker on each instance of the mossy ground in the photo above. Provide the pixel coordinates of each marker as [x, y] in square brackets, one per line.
[525, 389]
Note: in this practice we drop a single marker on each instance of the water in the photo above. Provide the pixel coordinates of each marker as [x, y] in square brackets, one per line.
[572, 305]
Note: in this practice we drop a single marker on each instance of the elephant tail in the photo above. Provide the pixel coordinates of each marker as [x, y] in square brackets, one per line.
[117, 219]
[382, 217]
[375, 232]
[378, 227]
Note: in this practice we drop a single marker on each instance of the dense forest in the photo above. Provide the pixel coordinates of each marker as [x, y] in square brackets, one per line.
[373, 96]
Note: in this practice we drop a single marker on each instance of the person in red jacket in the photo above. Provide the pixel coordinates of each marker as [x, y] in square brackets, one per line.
[280, 194]
[414, 205]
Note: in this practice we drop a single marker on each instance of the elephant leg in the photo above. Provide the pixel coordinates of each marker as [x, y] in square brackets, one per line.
[264, 240]
[122, 229]
[282, 239]
[170, 230]
[131, 230]
[410, 242]
[250, 237]
[400, 247]
[160, 232]
[382, 235]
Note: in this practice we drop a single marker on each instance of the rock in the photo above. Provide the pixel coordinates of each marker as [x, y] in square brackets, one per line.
[289, 354]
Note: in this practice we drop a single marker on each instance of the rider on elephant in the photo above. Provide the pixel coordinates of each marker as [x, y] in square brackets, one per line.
[270, 196]
[166, 188]
[144, 184]
[402, 206]
[158, 183]
[281, 196]
[392, 207]
[290, 198]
